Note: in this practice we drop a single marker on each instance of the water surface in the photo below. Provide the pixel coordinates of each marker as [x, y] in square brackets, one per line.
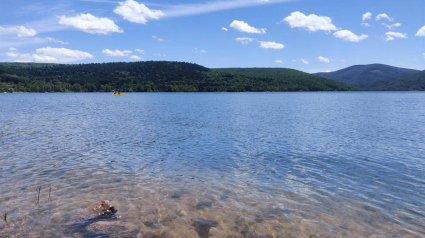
[214, 164]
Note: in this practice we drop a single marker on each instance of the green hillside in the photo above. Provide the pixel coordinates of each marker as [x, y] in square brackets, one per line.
[412, 82]
[362, 76]
[155, 76]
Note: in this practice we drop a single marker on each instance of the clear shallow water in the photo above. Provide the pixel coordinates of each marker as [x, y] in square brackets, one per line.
[214, 164]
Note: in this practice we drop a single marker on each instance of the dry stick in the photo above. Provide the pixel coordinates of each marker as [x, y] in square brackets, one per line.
[38, 194]
[5, 216]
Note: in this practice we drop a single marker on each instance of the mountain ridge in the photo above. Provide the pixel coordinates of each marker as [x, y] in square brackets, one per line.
[368, 77]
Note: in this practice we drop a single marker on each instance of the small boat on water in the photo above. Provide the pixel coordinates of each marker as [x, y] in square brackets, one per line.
[118, 93]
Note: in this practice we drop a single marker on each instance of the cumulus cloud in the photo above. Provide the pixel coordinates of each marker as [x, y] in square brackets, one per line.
[323, 59]
[136, 12]
[140, 51]
[349, 36]
[305, 61]
[366, 16]
[244, 27]
[51, 55]
[20, 31]
[383, 16]
[13, 49]
[278, 61]
[392, 26]
[116, 53]
[91, 24]
[135, 57]
[365, 24]
[391, 35]
[271, 45]
[311, 22]
[421, 32]
[224, 29]
[244, 40]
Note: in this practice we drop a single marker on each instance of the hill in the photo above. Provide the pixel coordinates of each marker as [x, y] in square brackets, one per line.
[363, 76]
[155, 76]
[412, 82]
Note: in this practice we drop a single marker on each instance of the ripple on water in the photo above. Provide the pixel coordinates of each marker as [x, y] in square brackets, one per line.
[214, 165]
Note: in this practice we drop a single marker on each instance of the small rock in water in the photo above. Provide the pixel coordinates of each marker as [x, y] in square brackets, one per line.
[202, 227]
[178, 194]
[202, 205]
[101, 209]
[152, 224]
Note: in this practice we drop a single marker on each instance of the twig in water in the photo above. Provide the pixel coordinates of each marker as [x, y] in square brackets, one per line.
[38, 194]
[50, 191]
[5, 216]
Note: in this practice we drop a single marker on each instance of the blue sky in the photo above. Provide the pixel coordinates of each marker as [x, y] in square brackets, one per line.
[309, 35]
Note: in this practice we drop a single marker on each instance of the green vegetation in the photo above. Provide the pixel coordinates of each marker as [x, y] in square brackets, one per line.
[371, 77]
[155, 76]
[412, 82]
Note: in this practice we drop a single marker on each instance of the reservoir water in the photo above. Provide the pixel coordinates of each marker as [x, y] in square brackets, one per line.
[324, 164]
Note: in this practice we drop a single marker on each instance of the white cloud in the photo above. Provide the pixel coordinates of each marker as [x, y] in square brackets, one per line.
[423, 55]
[90, 24]
[312, 22]
[278, 61]
[294, 61]
[383, 16]
[116, 53]
[200, 51]
[366, 16]
[55, 40]
[349, 36]
[342, 60]
[244, 27]
[365, 24]
[323, 59]
[224, 29]
[12, 54]
[391, 35]
[305, 61]
[392, 26]
[421, 32]
[20, 31]
[12, 49]
[137, 12]
[244, 40]
[141, 51]
[271, 45]
[159, 39]
[51, 55]
[135, 57]
[159, 55]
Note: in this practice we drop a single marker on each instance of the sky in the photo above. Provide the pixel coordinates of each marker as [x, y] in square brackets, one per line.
[308, 35]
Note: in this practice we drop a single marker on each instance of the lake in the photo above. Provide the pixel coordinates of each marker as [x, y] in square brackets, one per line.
[325, 164]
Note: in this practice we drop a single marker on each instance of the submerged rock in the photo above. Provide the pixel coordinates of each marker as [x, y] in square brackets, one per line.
[202, 227]
[93, 220]
[202, 205]
[101, 209]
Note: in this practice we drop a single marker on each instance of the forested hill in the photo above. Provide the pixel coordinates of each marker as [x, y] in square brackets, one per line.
[364, 76]
[411, 82]
[155, 76]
